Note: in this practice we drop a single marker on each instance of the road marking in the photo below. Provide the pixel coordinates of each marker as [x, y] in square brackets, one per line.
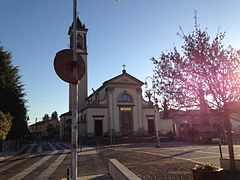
[32, 167]
[206, 157]
[9, 165]
[185, 150]
[39, 150]
[204, 152]
[31, 148]
[164, 155]
[51, 146]
[87, 150]
[50, 170]
[225, 154]
[197, 151]
[59, 146]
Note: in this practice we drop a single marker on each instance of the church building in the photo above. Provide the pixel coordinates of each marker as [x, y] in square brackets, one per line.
[117, 107]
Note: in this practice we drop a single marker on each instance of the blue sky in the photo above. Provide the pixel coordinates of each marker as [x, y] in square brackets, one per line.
[127, 32]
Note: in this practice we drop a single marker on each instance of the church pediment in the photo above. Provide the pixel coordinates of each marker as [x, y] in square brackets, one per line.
[124, 80]
[119, 80]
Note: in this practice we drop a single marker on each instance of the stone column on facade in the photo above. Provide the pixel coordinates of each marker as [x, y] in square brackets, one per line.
[140, 112]
[110, 110]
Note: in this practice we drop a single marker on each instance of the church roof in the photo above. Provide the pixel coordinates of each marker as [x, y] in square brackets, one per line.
[80, 25]
[114, 81]
[124, 73]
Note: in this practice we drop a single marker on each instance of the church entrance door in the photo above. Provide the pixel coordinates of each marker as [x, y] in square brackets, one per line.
[151, 127]
[98, 127]
[126, 121]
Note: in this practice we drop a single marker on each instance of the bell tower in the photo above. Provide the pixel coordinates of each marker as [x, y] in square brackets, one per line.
[81, 35]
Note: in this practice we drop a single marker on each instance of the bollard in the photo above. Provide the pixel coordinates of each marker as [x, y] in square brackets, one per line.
[68, 174]
[220, 148]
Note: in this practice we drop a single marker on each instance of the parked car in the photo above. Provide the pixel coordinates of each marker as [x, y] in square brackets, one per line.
[216, 140]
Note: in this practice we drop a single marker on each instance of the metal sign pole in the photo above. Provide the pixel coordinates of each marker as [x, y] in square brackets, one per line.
[74, 97]
[71, 68]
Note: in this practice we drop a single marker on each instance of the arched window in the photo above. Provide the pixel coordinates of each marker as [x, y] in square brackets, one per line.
[124, 97]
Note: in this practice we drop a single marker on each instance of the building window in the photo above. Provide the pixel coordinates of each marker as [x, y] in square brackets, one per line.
[125, 109]
[124, 97]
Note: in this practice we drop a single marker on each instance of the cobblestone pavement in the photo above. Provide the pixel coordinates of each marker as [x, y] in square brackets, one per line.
[173, 160]
[191, 152]
[151, 167]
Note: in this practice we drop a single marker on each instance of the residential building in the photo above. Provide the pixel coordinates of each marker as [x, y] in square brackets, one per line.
[45, 129]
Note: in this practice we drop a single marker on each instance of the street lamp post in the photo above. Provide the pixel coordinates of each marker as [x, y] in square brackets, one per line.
[155, 108]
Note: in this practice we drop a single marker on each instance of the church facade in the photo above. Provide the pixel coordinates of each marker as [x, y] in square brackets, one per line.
[116, 108]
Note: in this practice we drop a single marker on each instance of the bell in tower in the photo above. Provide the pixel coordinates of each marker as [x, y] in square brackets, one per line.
[81, 36]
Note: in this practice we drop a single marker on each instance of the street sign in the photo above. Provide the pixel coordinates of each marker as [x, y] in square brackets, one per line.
[63, 65]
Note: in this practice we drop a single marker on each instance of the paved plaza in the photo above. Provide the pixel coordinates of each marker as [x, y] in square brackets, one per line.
[185, 151]
[50, 160]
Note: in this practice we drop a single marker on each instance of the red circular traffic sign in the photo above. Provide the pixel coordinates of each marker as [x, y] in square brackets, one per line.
[63, 65]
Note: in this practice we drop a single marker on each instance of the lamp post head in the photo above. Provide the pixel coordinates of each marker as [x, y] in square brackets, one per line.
[154, 88]
[145, 85]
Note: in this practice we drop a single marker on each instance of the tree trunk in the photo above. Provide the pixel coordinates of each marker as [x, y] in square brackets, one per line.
[230, 143]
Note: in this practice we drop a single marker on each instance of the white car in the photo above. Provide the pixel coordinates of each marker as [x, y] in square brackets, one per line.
[216, 140]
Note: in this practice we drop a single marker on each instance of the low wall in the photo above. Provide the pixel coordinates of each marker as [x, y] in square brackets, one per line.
[119, 172]
[225, 164]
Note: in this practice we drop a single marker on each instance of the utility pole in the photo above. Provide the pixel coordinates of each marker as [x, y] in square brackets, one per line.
[74, 98]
